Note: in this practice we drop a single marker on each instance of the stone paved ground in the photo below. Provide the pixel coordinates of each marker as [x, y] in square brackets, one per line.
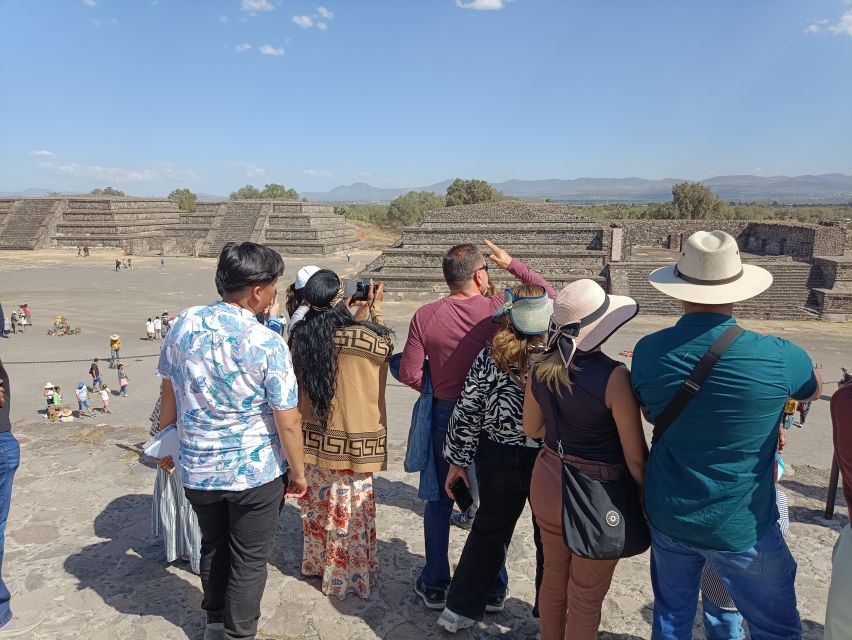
[78, 540]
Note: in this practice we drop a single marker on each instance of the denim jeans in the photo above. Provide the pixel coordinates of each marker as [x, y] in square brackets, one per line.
[721, 624]
[761, 581]
[10, 458]
[436, 514]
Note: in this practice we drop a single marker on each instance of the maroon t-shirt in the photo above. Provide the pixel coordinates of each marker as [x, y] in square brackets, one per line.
[451, 333]
[841, 420]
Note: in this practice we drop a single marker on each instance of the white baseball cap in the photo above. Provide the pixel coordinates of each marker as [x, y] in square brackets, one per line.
[303, 275]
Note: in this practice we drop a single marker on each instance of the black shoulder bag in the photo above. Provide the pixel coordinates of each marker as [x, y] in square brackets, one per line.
[604, 519]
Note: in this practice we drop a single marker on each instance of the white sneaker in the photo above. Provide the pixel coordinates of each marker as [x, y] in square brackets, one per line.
[20, 624]
[453, 622]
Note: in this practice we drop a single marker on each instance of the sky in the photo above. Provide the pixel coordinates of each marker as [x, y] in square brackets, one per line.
[152, 95]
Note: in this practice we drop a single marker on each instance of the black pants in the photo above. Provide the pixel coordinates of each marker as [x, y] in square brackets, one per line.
[237, 532]
[504, 488]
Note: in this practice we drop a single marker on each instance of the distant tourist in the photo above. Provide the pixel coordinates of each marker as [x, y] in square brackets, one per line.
[118, 265]
[129, 264]
[95, 372]
[23, 318]
[838, 614]
[83, 400]
[158, 328]
[2, 322]
[11, 625]
[122, 380]
[114, 350]
[451, 332]
[164, 319]
[488, 424]
[48, 397]
[580, 401]
[341, 366]
[149, 329]
[240, 431]
[709, 487]
[14, 321]
[79, 252]
[162, 263]
[105, 399]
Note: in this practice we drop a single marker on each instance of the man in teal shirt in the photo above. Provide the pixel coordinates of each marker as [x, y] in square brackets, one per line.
[709, 488]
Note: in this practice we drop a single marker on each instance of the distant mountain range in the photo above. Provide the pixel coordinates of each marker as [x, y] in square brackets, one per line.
[831, 188]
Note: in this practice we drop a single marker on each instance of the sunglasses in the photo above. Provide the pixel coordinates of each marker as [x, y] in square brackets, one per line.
[483, 268]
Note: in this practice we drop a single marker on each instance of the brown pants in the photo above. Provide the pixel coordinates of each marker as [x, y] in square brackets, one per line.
[573, 589]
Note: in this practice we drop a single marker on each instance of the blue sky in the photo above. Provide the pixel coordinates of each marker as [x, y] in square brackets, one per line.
[151, 95]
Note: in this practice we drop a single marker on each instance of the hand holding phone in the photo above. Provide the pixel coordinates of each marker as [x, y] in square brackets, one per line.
[461, 494]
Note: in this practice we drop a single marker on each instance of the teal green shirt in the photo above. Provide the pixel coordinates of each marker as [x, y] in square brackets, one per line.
[710, 479]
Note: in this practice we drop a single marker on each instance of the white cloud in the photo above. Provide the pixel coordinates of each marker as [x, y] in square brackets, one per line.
[322, 26]
[42, 153]
[122, 175]
[844, 25]
[324, 13]
[483, 5]
[269, 50]
[314, 173]
[306, 22]
[240, 48]
[256, 5]
[90, 3]
[223, 19]
[251, 169]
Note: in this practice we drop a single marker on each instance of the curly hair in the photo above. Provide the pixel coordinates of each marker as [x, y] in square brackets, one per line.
[510, 348]
[315, 355]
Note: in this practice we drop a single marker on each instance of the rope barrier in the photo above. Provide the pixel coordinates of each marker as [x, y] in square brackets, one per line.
[145, 355]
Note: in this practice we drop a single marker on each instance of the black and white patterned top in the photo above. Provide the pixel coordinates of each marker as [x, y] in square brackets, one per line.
[491, 402]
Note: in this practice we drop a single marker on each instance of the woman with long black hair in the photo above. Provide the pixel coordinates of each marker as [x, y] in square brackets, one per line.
[341, 367]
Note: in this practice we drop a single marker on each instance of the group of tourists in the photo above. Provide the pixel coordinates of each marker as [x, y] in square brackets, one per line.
[20, 318]
[158, 326]
[517, 403]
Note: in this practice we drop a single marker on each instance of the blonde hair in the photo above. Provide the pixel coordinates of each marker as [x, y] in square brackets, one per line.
[549, 369]
[509, 347]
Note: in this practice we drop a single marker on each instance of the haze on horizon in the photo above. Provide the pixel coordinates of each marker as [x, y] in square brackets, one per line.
[158, 94]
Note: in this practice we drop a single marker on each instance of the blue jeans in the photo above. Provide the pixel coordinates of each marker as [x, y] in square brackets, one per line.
[721, 624]
[761, 581]
[436, 514]
[10, 458]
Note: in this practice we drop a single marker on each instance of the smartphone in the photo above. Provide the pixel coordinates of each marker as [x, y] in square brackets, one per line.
[461, 494]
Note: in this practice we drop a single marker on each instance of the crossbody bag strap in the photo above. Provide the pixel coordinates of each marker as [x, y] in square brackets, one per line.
[692, 385]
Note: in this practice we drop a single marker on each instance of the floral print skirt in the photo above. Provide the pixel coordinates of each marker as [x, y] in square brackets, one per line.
[339, 518]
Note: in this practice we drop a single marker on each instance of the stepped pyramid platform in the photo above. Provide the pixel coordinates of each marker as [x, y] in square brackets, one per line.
[25, 224]
[552, 239]
[289, 227]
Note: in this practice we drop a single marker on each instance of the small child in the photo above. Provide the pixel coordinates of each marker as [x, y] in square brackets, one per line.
[122, 380]
[105, 398]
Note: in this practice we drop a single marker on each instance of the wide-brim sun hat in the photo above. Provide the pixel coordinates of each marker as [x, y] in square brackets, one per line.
[530, 315]
[303, 275]
[709, 270]
[114, 336]
[48, 385]
[585, 316]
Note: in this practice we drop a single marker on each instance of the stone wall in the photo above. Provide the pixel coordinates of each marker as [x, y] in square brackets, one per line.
[801, 241]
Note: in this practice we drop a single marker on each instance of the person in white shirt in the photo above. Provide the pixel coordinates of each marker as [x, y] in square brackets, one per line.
[158, 328]
[149, 329]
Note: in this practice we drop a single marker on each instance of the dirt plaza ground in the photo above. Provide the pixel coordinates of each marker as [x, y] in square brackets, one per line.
[78, 544]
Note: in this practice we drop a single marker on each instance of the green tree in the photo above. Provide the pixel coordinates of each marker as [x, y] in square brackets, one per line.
[471, 192]
[185, 199]
[695, 201]
[407, 209]
[248, 192]
[106, 191]
[278, 192]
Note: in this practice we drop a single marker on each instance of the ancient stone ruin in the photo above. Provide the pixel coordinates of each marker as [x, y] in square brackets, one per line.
[149, 225]
[812, 278]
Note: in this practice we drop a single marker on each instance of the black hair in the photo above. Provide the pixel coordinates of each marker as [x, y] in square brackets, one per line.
[312, 341]
[460, 263]
[246, 265]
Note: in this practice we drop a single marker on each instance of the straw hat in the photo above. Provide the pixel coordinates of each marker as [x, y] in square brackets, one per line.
[709, 271]
[48, 385]
[584, 316]
[530, 314]
[114, 336]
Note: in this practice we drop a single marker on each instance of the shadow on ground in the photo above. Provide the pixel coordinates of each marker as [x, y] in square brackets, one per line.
[128, 570]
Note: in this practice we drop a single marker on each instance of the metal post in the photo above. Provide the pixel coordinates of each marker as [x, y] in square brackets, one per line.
[833, 478]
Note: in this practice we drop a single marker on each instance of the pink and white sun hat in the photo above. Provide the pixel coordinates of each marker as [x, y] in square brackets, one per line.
[709, 270]
[584, 316]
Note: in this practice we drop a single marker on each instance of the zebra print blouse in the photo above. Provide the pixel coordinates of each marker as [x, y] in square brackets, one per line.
[491, 402]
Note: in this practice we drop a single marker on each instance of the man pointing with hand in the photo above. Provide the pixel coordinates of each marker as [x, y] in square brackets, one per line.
[450, 333]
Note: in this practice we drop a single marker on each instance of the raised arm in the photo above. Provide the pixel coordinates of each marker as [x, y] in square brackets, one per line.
[521, 271]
